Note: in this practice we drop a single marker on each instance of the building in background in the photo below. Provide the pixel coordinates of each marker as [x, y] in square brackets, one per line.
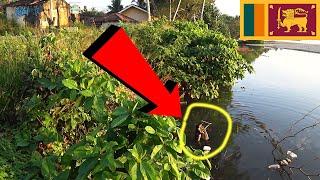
[39, 13]
[114, 19]
[75, 13]
[105, 20]
[130, 14]
[135, 12]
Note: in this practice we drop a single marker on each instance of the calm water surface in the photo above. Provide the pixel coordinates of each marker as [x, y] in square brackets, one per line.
[284, 87]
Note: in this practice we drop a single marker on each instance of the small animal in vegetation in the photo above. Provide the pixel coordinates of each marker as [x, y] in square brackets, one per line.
[201, 132]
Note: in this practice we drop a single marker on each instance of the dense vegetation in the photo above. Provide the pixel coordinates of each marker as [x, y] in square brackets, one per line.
[200, 59]
[63, 117]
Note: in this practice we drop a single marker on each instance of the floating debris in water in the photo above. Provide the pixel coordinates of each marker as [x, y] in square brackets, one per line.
[274, 166]
[284, 162]
[292, 155]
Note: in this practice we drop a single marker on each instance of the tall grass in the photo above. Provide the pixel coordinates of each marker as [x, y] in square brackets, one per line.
[10, 27]
[18, 54]
[21, 50]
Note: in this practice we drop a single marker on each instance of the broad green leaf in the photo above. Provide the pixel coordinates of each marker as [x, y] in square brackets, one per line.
[110, 87]
[84, 151]
[201, 172]
[149, 171]
[143, 172]
[174, 165]
[165, 175]
[119, 120]
[90, 82]
[99, 103]
[85, 168]
[163, 133]
[69, 83]
[87, 93]
[64, 175]
[155, 150]
[166, 167]
[22, 139]
[120, 111]
[88, 104]
[36, 159]
[73, 95]
[77, 66]
[92, 136]
[48, 169]
[133, 172]
[106, 161]
[137, 152]
[121, 176]
[150, 130]
[82, 85]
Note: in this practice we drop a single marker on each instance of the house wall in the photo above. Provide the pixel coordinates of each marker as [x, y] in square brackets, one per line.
[136, 14]
[106, 25]
[60, 13]
[41, 14]
[21, 14]
[10, 13]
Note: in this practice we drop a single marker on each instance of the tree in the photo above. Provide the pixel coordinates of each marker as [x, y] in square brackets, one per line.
[115, 6]
[186, 9]
[149, 10]
[91, 12]
[141, 3]
[228, 25]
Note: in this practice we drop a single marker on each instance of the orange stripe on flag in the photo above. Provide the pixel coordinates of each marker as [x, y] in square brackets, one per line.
[259, 19]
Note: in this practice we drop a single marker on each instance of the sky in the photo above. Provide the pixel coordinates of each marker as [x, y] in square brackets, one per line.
[230, 7]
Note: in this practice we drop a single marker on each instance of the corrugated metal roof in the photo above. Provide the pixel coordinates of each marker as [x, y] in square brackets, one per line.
[116, 17]
[25, 3]
[109, 17]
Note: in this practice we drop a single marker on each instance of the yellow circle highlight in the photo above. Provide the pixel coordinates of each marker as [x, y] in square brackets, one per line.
[184, 125]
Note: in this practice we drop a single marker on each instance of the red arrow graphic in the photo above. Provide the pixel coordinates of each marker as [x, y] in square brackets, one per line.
[114, 52]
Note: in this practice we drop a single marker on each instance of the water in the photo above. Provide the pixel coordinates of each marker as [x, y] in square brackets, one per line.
[264, 105]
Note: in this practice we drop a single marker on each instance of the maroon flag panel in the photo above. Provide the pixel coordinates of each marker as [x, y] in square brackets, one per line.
[292, 19]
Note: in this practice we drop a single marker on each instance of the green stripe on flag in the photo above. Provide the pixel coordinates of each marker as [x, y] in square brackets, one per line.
[249, 19]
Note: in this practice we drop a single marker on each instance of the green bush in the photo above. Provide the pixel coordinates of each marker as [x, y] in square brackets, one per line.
[201, 60]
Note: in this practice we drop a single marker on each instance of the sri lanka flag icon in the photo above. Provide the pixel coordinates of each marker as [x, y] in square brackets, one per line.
[279, 20]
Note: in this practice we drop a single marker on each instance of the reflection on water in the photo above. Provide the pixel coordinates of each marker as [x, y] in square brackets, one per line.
[284, 87]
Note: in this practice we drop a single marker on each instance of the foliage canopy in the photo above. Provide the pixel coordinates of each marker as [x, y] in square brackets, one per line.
[201, 60]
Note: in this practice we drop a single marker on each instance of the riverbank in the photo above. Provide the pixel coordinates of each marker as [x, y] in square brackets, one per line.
[291, 45]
